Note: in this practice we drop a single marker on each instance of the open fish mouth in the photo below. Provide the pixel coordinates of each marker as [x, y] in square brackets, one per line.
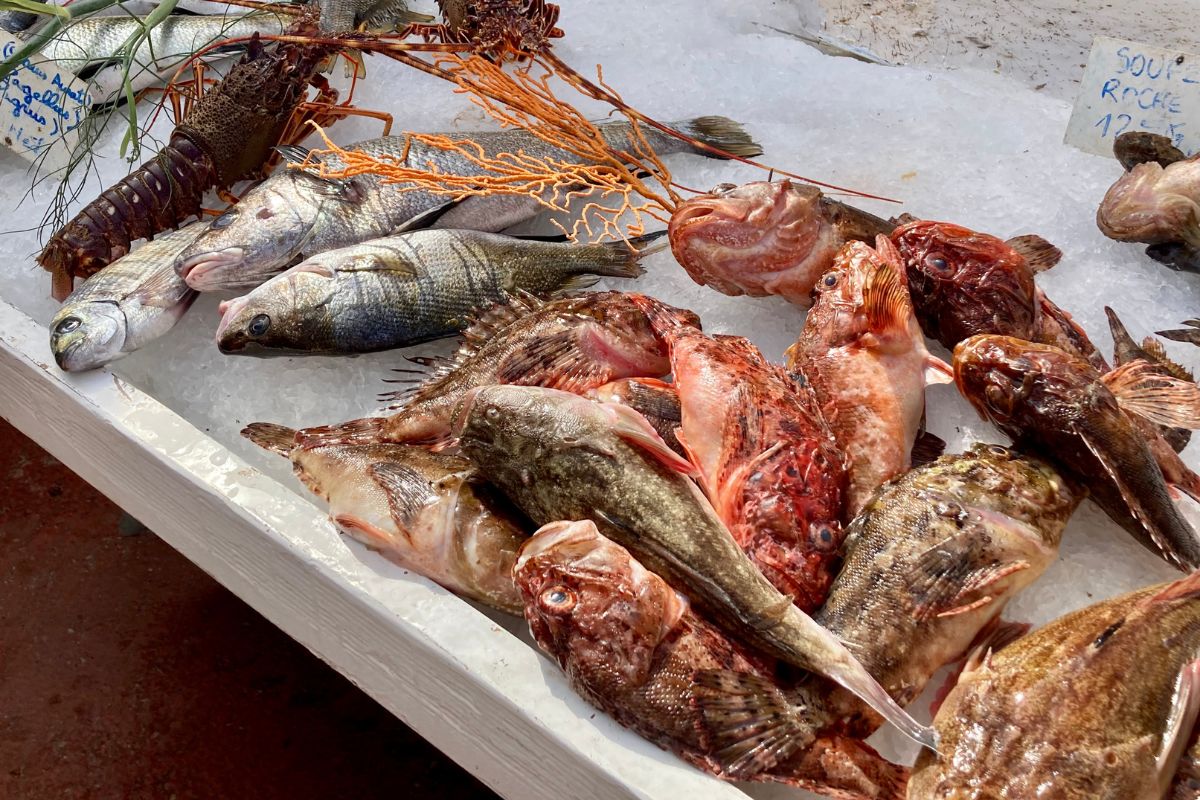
[197, 271]
[62, 355]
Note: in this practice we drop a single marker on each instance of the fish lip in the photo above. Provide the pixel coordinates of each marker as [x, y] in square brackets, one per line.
[196, 270]
[61, 355]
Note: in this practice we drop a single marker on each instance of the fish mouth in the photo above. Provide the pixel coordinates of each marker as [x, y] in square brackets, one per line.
[62, 353]
[197, 270]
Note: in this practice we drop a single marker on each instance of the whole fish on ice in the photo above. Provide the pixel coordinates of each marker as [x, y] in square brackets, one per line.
[406, 289]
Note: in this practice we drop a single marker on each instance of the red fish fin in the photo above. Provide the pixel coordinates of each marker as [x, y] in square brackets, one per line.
[363, 532]
[926, 449]
[1039, 254]
[886, 302]
[555, 361]
[1185, 708]
[1185, 588]
[408, 492]
[356, 431]
[633, 428]
[945, 582]
[495, 318]
[1155, 349]
[746, 723]
[937, 371]
[269, 436]
[1141, 389]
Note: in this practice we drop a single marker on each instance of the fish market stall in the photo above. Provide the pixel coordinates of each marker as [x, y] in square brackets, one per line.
[159, 430]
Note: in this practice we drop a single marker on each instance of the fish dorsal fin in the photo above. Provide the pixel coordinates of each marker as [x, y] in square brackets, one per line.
[886, 303]
[1141, 389]
[1039, 254]
[631, 426]
[1154, 348]
[746, 723]
[408, 492]
[269, 436]
[1124, 348]
[293, 153]
[495, 318]
[926, 449]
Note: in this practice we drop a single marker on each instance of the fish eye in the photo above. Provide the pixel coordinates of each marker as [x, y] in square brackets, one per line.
[492, 413]
[259, 325]
[223, 221]
[723, 188]
[997, 450]
[557, 599]
[67, 325]
[937, 263]
[830, 280]
[824, 539]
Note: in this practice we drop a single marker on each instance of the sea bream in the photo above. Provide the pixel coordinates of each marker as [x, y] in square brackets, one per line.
[406, 289]
[936, 555]
[632, 646]
[576, 344]
[1098, 705]
[768, 463]
[863, 354]
[427, 512]
[766, 238]
[1057, 405]
[296, 213]
[125, 306]
[561, 456]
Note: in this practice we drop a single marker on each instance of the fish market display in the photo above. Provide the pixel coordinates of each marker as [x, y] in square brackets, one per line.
[654, 399]
[766, 238]
[295, 212]
[428, 512]
[964, 283]
[575, 344]
[935, 556]
[407, 289]
[1156, 201]
[864, 356]
[1064, 409]
[124, 306]
[1098, 705]
[633, 646]
[560, 456]
[767, 461]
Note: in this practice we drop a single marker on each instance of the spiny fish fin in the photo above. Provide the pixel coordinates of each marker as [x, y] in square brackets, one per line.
[1186, 588]
[269, 436]
[165, 289]
[1124, 348]
[746, 723]
[937, 371]
[1039, 254]
[495, 318]
[944, 582]
[631, 426]
[426, 218]
[293, 153]
[356, 431]
[1185, 708]
[1154, 348]
[886, 302]
[927, 449]
[1142, 390]
[1189, 335]
[363, 532]
[555, 361]
[408, 491]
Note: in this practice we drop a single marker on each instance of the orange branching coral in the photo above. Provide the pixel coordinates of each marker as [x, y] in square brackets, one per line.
[623, 187]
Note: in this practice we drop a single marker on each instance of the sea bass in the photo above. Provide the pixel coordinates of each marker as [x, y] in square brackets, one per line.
[765, 238]
[864, 355]
[935, 556]
[407, 289]
[427, 512]
[575, 344]
[295, 212]
[654, 399]
[965, 283]
[125, 306]
[1098, 705]
[767, 461]
[560, 456]
[632, 646]
[1060, 407]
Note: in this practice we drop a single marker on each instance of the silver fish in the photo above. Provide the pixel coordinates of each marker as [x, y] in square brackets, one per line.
[407, 289]
[124, 306]
[296, 213]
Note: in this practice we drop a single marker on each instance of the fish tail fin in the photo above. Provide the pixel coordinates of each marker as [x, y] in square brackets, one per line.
[269, 436]
[746, 723]
[722, 133]
[621, 258]
[356, 431]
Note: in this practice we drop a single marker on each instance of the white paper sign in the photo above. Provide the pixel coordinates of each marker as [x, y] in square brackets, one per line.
[1129, 86]
[40, 107]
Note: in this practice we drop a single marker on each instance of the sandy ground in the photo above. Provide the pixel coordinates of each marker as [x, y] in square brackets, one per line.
[126, 672]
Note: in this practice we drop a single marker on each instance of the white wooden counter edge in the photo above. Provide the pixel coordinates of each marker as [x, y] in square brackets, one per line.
[470, 687]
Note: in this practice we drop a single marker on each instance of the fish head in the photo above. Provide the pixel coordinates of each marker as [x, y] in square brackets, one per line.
[964, 282]
[258, 237]
[514, 425]
[87, 335]
[738, 238]
[838, 315]
[287, 313]
[590, 604]
[1152, 204]
[629, 332]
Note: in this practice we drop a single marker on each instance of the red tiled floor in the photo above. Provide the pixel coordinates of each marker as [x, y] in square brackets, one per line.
[126, 672]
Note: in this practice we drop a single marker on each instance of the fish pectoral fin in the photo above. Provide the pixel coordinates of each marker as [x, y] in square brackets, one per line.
[426, 218]
[886, 303]
[937, 371]
[630, 425]
[1185, 708]
[746, 723]
[926, 449]
[357, 431]
[408, 491]
[164, 290]
[363, 532]
[1039, 254]
[1141, 389]
[269, 436]
[554, 361]
[945, 582]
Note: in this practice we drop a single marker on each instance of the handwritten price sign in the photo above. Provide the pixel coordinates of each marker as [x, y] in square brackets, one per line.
[1129, 86]
[40, 108]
